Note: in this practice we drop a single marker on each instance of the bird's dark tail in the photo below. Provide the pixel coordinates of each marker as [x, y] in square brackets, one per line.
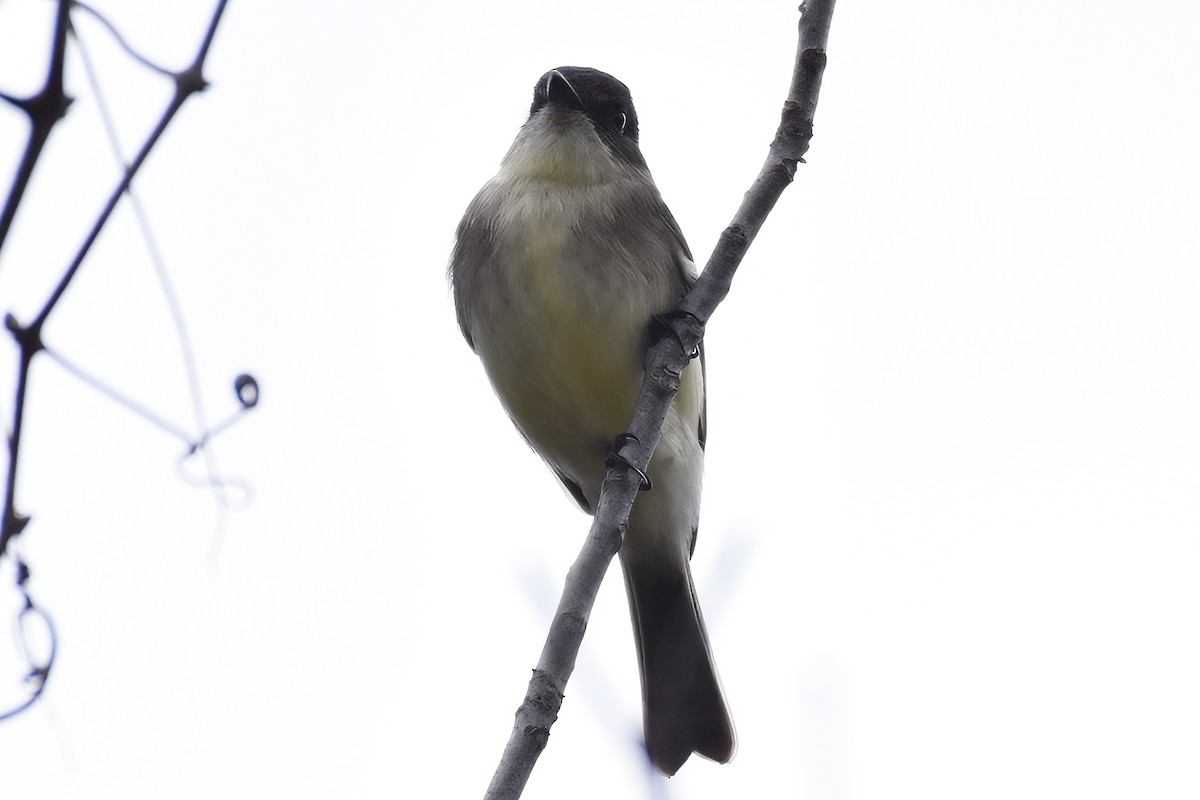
[684, 707]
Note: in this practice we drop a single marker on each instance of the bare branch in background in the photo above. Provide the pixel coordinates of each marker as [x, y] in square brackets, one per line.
[44, 109]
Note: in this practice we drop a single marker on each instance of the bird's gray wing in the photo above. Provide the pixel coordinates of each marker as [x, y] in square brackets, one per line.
[474, 250]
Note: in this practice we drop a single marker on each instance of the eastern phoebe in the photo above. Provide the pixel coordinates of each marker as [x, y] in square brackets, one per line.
[559, 265]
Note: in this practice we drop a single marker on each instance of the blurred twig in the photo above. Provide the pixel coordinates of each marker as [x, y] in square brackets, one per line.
[44, 109]
[665, 361]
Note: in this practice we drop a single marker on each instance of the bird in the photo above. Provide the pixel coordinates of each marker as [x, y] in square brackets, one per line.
[559, 265]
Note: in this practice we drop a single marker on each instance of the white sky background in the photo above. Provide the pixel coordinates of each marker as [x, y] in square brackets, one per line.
[951, 531]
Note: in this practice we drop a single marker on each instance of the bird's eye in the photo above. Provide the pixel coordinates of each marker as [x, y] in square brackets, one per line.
[619, 122]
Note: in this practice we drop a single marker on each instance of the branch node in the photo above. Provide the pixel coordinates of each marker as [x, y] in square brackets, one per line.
[46, 107]
[812, 61]
[13, 525]
[29, 338]
[538, 734]
[190, 81]
[544, 694]
[794, 134]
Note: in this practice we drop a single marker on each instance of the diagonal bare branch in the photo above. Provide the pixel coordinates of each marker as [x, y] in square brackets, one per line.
[187, 82]
[665, 361]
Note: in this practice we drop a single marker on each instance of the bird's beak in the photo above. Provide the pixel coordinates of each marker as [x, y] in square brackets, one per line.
[560, 92]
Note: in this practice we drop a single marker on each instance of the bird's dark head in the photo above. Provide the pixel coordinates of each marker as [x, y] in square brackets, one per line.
[580, 119]
[597, 95]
